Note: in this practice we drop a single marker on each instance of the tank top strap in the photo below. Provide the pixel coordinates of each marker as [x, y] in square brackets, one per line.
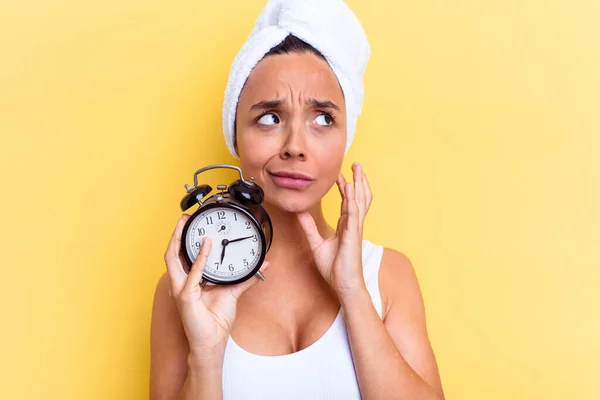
[371, 256]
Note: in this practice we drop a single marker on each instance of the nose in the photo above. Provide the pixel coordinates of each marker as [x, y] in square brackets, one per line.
[294, 145]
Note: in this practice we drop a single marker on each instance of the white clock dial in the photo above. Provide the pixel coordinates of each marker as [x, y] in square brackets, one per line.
[231, 231]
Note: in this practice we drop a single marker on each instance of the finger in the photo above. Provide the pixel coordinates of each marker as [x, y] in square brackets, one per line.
[184, 263]
[310, 229]
[341, 225]
[195, 275]
[341, 182]
[359, 190]
[238, 290]
[173, 262]
[368, 193]
[346, 198]
[353, 211]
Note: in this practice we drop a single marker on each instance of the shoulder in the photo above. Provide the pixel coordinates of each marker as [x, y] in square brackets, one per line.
[398, 282]
[404, 316]
[165, 316]
[168, 344]
[163, 306]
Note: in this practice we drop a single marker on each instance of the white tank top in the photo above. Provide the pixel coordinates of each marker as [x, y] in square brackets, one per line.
[323, 370]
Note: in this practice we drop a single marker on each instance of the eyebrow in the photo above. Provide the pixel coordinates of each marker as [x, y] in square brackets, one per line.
[267, 104]
[321, 104]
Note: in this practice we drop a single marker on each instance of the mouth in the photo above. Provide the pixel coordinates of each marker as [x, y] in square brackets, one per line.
[291, 180]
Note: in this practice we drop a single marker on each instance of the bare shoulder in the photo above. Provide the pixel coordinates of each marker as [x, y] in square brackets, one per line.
[169, 347]
[404, 316]
[398, 282]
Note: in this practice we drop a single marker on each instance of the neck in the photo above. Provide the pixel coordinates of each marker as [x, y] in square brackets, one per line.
[289, 240]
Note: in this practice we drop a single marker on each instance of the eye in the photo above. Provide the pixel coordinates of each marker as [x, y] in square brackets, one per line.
[324, 119]
[268, 119]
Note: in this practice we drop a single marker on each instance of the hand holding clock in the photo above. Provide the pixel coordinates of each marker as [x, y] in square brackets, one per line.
[208, 312]
[339, 258]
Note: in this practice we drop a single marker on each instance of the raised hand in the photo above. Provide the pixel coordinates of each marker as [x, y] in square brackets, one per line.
[339, 258]
[207, 312]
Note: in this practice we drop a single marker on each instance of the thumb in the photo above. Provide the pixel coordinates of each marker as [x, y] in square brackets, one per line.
[310, 229]
[238, 290]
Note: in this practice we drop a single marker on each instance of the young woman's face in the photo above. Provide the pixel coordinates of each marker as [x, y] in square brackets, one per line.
[291, 119]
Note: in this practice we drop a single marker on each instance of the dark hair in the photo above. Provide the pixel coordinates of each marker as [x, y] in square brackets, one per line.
[291, 44]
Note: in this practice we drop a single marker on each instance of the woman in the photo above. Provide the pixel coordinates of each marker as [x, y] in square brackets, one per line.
[337, 316]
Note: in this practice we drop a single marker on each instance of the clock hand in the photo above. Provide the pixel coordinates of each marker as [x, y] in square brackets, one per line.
[225, 242]
[239, 239]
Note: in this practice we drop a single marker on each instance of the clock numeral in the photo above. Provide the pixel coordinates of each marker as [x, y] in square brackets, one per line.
[247, 224]
[252, 252]
[235, 216]
[231, 267]
[245, 262]
[217, 265]
[209, 220]
[197, 244]
[201, 231]
[221, 214]
[255, 238]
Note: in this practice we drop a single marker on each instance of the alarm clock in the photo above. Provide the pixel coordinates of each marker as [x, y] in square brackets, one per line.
[239, 226]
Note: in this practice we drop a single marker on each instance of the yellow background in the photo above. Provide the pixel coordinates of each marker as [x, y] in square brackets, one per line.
[479, 134]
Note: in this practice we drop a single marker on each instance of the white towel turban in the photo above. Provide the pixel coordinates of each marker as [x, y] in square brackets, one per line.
[329, 26]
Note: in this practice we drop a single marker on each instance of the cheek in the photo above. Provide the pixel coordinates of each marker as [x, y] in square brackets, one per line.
[330, 154]
[254, 155]
[327, 160]
[253, 142]
[251, 164]
[251, 149]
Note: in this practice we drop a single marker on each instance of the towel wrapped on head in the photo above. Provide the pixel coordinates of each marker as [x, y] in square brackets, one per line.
[329, 26]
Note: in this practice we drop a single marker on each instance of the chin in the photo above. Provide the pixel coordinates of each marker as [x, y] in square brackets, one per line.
[292, 202]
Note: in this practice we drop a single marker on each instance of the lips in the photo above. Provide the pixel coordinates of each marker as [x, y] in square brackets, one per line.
[291, 180]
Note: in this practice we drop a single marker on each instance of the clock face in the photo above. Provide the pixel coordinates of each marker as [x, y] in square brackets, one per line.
[236, 242]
